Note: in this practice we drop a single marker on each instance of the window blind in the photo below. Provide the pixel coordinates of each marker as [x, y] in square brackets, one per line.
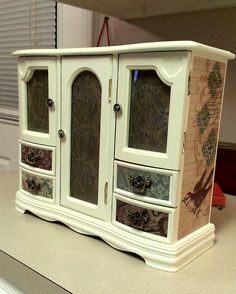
[24, 24]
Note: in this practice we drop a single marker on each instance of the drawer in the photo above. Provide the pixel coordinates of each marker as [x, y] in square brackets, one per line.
[151, 185]
[38, 157]
[145, 220]
[36, 185]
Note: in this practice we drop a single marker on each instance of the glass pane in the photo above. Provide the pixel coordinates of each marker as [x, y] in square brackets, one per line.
[85, 137]
[149, 111]
[37, 95]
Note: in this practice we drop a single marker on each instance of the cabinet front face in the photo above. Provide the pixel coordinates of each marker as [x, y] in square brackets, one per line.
[37, 83]
[151, 92]
[85, 121]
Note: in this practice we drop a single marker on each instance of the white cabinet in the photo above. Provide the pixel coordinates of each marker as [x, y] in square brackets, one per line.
[120, 142]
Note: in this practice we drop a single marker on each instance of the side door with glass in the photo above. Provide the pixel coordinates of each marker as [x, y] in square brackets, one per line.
[152, 91]
[86, 112]
[38, 99]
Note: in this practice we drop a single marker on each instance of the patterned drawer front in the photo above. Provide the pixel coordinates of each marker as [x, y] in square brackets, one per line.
[37, 185]
[36, 157]
[147, 220]
[144, 183]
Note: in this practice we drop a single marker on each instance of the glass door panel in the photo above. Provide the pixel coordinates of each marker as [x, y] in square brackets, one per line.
[152, 93]
[149, 111]
[37, 95]
[38, 99]
[86, 122]
[85, 137]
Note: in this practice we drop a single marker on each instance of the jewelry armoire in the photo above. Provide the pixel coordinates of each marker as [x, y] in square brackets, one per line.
[120, 142]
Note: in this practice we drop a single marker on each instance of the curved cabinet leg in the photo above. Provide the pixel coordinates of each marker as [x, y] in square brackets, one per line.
[20, 209]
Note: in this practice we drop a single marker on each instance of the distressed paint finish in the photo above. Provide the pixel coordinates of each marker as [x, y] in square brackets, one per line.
[37, 185]
[146, 220]
[36, 157]
[160, 184]
[205, 101]
[37, 95]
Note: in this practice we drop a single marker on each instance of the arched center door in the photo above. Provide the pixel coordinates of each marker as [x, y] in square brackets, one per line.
[85, 122]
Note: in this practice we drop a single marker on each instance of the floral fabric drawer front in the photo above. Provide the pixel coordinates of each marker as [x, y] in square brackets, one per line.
[36, 157]
[147, 220]
[144, 183]
[37, 185]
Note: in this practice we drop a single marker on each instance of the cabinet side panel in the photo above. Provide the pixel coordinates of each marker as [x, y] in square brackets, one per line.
[206, 93]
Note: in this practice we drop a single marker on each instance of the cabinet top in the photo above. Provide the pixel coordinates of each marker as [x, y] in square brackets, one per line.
[196, 48]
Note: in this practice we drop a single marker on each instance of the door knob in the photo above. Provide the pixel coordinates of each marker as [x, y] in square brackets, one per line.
[61, 134]
[117, 108]
[50, 102]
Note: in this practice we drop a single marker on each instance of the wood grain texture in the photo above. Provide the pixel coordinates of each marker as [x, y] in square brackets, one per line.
[205, 100]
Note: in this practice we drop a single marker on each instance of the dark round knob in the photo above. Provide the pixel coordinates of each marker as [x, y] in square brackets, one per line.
[31, 157]
[117, 108]
[61, 134]
[50, 102]
[138, 218]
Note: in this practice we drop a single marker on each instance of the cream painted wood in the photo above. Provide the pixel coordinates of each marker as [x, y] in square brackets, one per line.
[71, 67]
[168, 257]
[172, 223]
[195, 47]
[173, 190]
[35, 169]
[173, 69]
[26, 68]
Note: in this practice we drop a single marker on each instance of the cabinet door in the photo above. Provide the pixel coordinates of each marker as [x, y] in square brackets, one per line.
[38, 101]
[152, 90]
[86, 113]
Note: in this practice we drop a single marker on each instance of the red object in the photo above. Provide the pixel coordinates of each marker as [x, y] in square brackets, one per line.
[219, 199]
[226, 168]
[104, 25]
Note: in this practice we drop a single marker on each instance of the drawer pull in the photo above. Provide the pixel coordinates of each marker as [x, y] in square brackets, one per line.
[139, 184]
[32, 158]
[33, 185]
[139, 218]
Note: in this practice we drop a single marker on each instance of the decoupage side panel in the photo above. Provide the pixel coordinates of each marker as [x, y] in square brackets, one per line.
[206, 91]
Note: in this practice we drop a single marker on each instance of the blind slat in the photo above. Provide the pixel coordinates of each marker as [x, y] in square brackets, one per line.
[24, 24]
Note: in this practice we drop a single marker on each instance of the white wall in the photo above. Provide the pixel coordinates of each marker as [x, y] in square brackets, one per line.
[216, 28]
[74, 26]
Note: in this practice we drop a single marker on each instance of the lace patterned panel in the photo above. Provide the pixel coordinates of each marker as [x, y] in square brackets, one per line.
[85, 137]
[149, 111]
[37, 95]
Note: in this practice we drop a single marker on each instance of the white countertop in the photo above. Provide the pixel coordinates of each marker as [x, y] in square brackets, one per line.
[87, 265]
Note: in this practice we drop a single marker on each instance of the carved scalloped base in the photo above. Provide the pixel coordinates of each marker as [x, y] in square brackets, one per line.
[168, 257]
